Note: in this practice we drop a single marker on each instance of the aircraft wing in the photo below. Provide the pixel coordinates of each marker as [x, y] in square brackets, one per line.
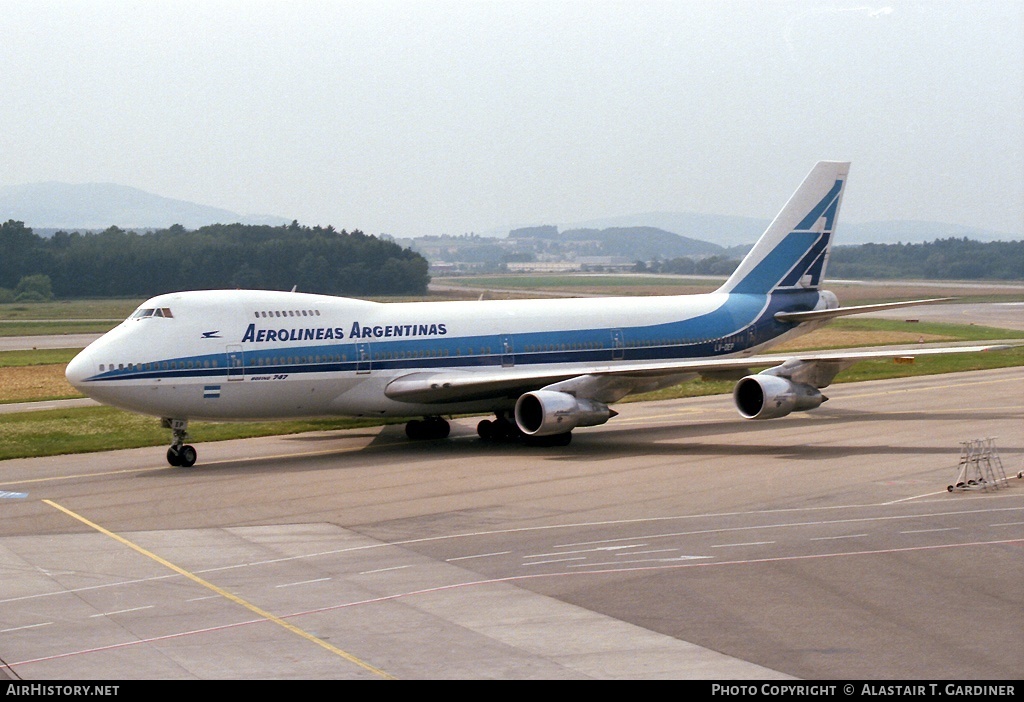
[817, 368]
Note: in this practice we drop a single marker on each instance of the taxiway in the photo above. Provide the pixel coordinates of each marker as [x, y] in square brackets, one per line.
[678, 540]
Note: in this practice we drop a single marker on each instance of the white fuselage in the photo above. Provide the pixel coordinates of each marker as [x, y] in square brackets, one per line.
[243, 355]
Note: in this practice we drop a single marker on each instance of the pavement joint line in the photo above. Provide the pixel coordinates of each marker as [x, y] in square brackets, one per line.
[222, 592]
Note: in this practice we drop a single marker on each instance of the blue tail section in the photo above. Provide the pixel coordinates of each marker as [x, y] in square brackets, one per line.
[793, 252]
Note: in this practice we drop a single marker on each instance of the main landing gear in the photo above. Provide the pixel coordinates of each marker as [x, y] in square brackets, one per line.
[504, 430]
[179, 454]
[500, 430]
[426, 429]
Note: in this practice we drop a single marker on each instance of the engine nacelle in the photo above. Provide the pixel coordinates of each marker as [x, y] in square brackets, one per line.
[764, 396]
[547, 412]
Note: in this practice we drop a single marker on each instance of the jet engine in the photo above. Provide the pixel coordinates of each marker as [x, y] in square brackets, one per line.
[764, 396]
[548, 412]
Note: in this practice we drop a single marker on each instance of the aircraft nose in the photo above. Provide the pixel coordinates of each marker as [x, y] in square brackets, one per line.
[80, 368]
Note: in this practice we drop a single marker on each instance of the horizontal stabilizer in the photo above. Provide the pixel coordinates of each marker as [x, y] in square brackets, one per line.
[816, 315]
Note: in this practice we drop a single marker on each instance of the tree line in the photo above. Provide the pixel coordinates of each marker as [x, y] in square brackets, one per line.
[942, 259]
[119, 263]
[684, 265]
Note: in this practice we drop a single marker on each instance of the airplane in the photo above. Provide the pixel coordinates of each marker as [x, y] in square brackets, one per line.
[543, 367]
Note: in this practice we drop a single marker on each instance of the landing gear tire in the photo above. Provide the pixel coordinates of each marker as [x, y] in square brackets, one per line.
[182, 456]
[188, 456]
[498, 430]
[427, 429]
[501, 430]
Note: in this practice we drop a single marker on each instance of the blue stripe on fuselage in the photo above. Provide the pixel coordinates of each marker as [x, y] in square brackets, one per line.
[742, 321]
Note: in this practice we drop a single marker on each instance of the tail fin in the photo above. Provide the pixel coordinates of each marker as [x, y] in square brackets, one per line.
[793, 251]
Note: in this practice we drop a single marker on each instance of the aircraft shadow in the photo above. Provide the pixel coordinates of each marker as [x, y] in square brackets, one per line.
[389, 447]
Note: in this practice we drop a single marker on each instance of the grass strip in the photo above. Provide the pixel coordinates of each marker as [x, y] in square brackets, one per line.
[89, 429]
[36, 357]
[54, 432]
[54, 327]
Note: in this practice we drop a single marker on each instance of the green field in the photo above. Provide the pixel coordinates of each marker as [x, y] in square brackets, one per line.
[958, 332]
[53, 432]
[63, 317]
[97, 429]
[112, 310]
[85, 430]
[51, 328]
[36, 357]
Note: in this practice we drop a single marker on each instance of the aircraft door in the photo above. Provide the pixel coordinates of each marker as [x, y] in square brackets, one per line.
[363, 361]
[618, 345]
[236, 363]
[508, 358]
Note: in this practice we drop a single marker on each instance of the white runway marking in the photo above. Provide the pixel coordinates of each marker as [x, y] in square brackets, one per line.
[120, 611]
[383, 570]
[303, 582]
[478, 555]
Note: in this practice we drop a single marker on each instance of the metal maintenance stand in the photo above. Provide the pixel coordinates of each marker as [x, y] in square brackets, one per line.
[980, 466]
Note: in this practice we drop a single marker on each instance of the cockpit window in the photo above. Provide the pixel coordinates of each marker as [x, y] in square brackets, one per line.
[143, 312]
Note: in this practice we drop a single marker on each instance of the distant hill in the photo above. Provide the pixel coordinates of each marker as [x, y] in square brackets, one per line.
[723, 230]
[729, 231]
[101, 205]
[639, 243]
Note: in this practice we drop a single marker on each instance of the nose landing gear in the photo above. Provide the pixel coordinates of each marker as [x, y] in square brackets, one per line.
[180, 454]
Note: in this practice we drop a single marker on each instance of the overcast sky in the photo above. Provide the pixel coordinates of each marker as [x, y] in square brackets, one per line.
[429, 117]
